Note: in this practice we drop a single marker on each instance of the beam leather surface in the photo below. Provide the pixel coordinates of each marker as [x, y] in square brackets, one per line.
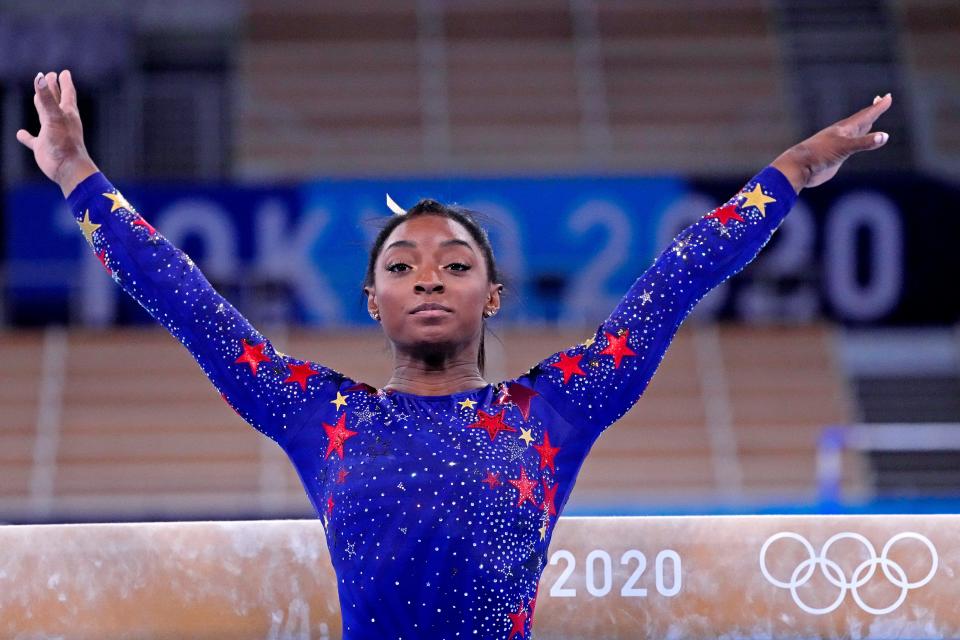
[607, 577]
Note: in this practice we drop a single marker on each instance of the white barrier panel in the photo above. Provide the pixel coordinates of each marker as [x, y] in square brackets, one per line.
[650, 577]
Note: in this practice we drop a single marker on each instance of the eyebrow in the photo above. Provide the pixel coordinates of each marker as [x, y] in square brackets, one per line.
[445, 243]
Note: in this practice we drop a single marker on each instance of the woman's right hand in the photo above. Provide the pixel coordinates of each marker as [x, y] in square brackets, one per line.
[58, 148]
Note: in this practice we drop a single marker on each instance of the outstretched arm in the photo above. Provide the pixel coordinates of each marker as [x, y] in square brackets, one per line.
[596, 382]
[270, 390]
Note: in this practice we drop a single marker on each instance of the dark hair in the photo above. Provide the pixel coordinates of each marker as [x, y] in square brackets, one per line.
[430, 207]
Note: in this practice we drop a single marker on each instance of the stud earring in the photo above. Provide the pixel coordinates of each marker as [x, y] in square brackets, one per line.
[375, 315]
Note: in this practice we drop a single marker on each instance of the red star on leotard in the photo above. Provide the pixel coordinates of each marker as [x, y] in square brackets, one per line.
[547, 452]
[617, 347]
[519, 620]
[300, 373]
[549, 493]
[252, 355]
[330, 504]
[725, 213]
[492, 480]
[338, 434]
[140, 222]
[519, 395]
[494, 424]
[525, 486]
[342, 476]
[569, 365]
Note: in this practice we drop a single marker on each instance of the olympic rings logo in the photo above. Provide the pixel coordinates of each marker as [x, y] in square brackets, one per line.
[861, 575]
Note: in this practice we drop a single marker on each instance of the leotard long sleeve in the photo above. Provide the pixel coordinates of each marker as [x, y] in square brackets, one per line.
[438, 510]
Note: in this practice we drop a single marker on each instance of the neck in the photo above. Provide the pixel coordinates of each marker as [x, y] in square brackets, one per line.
[435, 373]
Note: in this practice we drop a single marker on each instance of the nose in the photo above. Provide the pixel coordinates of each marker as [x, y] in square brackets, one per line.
[429, 282]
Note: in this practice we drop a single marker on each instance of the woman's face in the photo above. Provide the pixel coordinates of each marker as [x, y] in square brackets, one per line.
[431, 261]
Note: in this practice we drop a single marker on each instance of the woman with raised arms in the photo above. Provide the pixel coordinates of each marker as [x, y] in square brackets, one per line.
[439, 491]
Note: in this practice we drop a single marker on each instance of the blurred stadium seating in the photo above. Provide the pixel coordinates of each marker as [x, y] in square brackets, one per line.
[550, 85]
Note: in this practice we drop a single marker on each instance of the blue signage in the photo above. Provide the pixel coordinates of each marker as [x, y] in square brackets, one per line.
[569, 247]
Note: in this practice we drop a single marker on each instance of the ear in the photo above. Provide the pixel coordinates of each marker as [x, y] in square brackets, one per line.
[372, 307]
[493, 298]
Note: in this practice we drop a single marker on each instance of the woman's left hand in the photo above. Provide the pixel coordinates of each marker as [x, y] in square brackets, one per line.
[818, 158]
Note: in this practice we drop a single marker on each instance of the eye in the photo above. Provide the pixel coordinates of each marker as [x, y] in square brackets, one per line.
[459, 266]
[395, 267]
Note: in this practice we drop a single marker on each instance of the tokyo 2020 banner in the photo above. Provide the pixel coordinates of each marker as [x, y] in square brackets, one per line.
[876, 251]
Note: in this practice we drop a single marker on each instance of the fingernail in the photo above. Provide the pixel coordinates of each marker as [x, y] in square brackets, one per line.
[876, 100]
[42, 82]
[881, 138]
[887, 96]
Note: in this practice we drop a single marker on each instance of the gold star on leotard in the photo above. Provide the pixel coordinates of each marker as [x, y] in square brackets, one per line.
[526, 435]
[88, 227]
[588, 342]
[757, 198]
[467, 404]
[645, 297]
[340, 400]
[119, 202]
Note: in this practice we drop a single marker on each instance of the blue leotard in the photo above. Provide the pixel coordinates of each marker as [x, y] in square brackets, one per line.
[438, 510]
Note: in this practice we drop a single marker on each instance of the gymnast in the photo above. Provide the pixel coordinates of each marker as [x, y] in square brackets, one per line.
[439, 491]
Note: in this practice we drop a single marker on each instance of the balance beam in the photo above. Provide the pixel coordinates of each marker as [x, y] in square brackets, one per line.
[611, 577]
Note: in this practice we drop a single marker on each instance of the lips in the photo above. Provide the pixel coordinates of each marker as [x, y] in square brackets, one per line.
[430, 306]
